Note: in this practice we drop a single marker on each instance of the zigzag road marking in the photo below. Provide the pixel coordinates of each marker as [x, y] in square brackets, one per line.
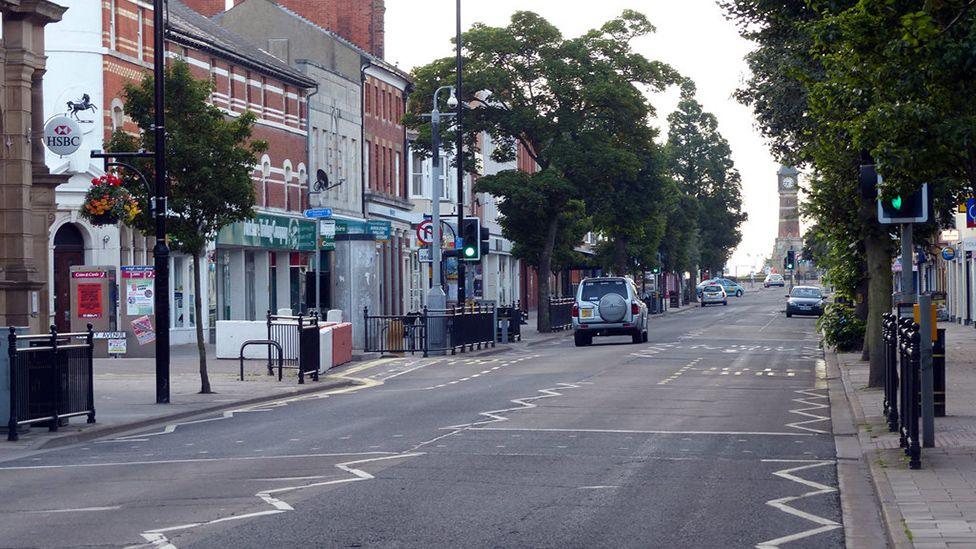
[823, 524]
[157, 538]
[524, 403]
[816, 418]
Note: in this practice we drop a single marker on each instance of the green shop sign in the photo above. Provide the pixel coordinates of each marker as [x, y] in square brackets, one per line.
[381, 230]
[378, 229]
[270, 232]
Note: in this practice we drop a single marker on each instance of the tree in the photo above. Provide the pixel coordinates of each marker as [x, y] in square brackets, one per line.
[557, 100]
[700, 161]
[210, 160]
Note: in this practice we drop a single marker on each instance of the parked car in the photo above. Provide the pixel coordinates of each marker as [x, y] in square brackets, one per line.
[701, 286]
[731, 287]
[774, 280]
[714, 293]
[805, 300]
[608, 306]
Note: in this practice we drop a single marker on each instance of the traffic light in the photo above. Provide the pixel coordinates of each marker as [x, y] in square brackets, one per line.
[910, 208]
[790, 260]
[485, 241]
[471, 239]
[655, 270]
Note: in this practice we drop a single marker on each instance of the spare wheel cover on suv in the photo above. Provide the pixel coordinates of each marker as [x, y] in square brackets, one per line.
[613, 307]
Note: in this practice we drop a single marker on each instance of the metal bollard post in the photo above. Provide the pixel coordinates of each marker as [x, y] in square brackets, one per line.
[939, 373]
[926, 384]
[914, 449]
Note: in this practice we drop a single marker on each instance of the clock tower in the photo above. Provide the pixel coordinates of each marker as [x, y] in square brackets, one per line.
[788, 235]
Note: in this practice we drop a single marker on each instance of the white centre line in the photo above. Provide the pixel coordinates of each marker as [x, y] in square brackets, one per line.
[639, 431]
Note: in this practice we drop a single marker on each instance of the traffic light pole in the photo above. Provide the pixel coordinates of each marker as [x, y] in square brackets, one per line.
[462, 289]
[907, 251]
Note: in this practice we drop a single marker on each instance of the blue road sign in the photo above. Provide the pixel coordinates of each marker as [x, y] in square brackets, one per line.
[318, 213]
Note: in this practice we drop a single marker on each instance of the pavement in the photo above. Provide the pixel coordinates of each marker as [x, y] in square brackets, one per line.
[935, 506]
[715, 433]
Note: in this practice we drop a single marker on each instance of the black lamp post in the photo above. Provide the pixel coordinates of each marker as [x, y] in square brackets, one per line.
[161, 250]
[462, 288]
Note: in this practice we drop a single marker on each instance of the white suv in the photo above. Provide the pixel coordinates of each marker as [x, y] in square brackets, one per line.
[608, 306]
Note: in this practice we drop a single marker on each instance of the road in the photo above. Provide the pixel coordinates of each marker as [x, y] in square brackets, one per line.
[713, 434]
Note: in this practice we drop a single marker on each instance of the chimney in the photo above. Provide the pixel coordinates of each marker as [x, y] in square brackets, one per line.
[208, 8]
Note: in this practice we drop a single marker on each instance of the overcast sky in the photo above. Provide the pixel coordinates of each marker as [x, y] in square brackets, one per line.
[692, 36]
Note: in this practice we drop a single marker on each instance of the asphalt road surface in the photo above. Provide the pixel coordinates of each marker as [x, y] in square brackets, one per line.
[715, 433]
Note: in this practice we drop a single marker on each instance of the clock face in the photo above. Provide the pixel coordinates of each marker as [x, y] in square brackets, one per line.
[789, 183]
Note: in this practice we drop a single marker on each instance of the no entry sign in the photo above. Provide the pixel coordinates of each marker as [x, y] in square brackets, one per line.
[425, 232]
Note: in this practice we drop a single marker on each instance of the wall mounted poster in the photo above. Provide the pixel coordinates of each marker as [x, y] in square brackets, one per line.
[89, 300]
[139, 289]
[143, 329]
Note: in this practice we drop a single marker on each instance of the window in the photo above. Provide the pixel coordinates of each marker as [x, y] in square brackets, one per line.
[118, 117]
[247, 90]
[367, 93]
[141, 23]
[367, 171]
[112, 25]
[376, 182]
[396, 173]
[417, 162]
[594, 290]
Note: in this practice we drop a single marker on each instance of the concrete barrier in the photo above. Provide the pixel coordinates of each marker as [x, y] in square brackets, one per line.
[325, 347]
[231, 334]
[341, 343]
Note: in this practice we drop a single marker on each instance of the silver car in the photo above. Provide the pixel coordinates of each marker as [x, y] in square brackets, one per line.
[714, 294]
[608, 306]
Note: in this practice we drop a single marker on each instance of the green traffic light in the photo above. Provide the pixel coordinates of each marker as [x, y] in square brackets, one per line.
[896, 203]
[469, 252]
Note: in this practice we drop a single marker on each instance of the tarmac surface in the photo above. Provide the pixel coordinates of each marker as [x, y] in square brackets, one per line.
[715, 433]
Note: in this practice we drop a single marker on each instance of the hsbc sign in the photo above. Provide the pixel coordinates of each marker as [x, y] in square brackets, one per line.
[62, 136]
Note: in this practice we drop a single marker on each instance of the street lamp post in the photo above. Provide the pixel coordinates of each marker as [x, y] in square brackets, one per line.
[160, 209]
[436, 298]
[462, 283]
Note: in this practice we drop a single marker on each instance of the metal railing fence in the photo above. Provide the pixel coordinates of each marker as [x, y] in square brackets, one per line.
[51, 378]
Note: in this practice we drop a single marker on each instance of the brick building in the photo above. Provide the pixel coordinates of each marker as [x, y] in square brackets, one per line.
[359, 21]
[269, 254]
[26, 185]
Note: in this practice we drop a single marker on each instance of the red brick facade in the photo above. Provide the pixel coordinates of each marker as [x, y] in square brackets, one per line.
[208, 8]
[279, 106]
[385, 138]
[359, 21]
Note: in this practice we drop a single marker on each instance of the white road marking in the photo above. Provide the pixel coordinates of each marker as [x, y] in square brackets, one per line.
[806, 412]
[78, 510]
[600, 487]
[187, 460]
[158, 538]
[637, 431]
[825, 525]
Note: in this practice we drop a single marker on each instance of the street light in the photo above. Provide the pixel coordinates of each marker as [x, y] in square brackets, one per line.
[436, 298]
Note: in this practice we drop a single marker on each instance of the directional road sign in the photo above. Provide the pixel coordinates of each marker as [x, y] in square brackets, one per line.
[318, 213]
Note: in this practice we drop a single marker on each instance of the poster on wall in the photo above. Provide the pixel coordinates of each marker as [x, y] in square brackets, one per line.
[116, 346]
[143, 329]
[139, 289]
[89, 300]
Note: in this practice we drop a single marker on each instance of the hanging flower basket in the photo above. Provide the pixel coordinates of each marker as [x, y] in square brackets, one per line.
[107, 202]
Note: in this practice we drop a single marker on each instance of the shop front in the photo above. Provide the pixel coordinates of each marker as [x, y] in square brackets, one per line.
[261, 266]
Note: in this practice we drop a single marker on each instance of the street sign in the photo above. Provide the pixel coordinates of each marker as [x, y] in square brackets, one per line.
[971, 213]
[327, 233]
[948, 253]
[424, 255]
[62, 136]
[318, 213]
[425, 232]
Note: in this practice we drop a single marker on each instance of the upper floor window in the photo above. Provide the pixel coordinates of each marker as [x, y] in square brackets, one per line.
[140, 44]
[417, 163]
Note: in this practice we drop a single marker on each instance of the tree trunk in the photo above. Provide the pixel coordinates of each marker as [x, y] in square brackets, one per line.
[545, 271]
[692, 286]
[197, 306]
[620, 256]
[877, 249]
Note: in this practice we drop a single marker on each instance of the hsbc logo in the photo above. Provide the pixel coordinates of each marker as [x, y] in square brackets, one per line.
[62, 136]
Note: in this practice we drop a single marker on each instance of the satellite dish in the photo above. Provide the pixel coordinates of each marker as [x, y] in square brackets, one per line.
[321, 180]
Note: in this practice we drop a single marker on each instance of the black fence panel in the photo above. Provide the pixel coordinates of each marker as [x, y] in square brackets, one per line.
[513, 316]
[298, 338]
[308, 354]
[909, 345]
[561, 313]
[396, 333]
[51, 378]
[470, 327]
[889, 337]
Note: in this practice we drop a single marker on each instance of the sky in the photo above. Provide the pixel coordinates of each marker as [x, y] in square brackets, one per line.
[693, 36]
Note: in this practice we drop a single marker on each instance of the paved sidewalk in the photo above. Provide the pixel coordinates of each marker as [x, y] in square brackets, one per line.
[125, 395]
[934, 507]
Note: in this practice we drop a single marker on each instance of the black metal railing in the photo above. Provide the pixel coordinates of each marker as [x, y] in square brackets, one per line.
[471, 326]
[561, 313]
[510, 320]
[465, 329]
[398, 334]
[51, 379]
[909, 347]
[298, 337]
[889, 337]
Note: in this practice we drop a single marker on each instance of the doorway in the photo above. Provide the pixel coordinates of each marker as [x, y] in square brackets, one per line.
[69, 250]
